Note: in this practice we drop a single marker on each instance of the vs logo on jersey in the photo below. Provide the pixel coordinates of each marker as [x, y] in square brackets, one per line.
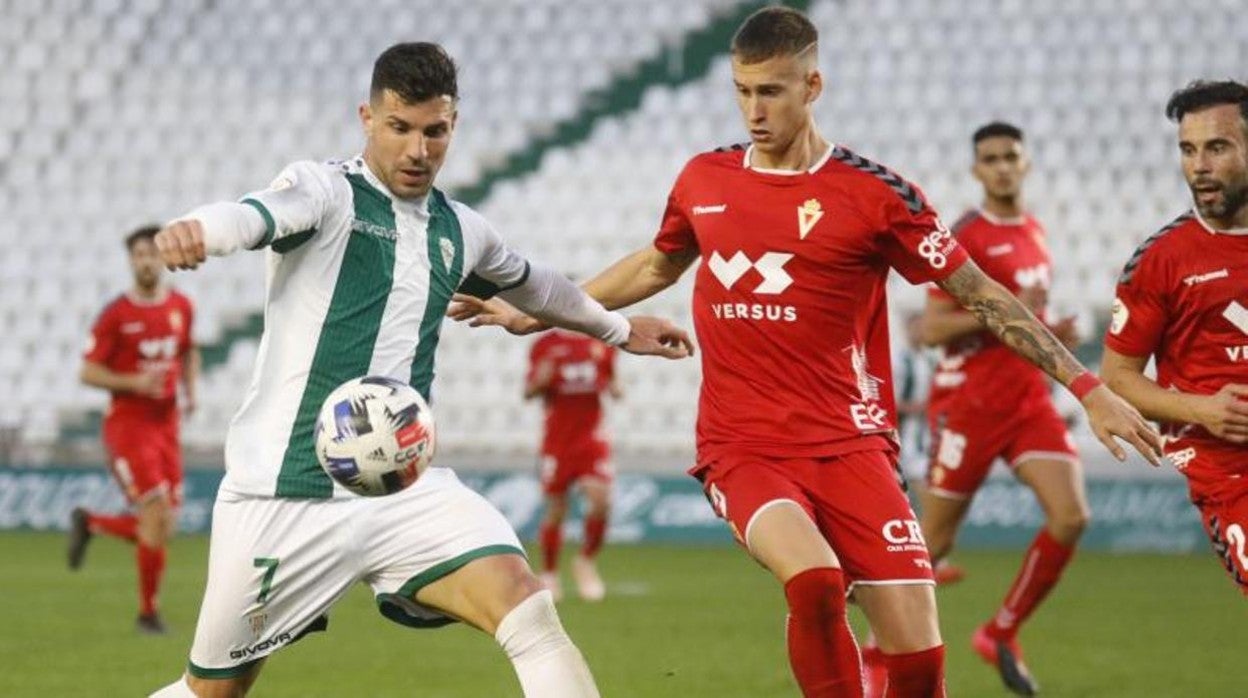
[808, 214]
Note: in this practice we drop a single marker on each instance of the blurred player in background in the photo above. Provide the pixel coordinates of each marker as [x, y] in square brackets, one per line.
[1182, 300]
[987, 402]
[140, 350]
[796, 438]
[570, 372]
[364, 256]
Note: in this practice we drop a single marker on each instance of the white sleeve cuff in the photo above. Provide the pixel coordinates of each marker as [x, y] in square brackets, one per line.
[229, 227]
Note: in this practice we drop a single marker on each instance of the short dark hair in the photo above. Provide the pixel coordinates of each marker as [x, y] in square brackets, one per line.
[1201, 94]
[995, 129]
[771, 32]
[415, 71]
[147, 232]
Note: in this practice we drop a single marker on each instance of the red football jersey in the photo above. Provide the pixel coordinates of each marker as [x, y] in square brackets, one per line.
[582, 369]
[980, 367]
[1183, 298]
[789, 304]
[132, 336]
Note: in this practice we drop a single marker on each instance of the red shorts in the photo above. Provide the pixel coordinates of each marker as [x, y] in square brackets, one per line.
[1225, 518]
[966, 442]
[560, 472]
[145, 457]
[855, 500]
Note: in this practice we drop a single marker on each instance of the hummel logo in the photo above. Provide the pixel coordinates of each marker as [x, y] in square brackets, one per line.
[1202, 278]
[998, 250]
[718, 208]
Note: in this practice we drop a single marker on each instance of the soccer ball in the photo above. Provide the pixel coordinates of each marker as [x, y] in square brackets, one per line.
[375, 435]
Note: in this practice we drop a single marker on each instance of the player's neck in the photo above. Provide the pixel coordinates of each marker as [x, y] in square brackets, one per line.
[1006, 208]
[1237, 221]
[145, 295]
[806, 149]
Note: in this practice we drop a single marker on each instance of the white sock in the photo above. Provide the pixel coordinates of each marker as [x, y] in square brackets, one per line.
[546, 661]
[177, 689]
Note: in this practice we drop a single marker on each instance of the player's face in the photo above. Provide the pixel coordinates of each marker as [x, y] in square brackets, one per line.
[775, 98]
[1214, 152]
[145, 264]
[407, 143]
[1001, 163]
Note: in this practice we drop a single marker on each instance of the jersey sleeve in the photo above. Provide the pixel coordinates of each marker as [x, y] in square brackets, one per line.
[294, 205]
[913, 240]
[188, 332]
[102, 341]
[496, 267]
[676, 234]
[1139, 312]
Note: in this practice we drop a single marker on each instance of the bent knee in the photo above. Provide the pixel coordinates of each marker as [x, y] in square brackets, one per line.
[1068, 526]
[218, 688]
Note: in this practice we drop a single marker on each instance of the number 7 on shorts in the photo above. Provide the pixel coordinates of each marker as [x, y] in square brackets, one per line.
[270, 568]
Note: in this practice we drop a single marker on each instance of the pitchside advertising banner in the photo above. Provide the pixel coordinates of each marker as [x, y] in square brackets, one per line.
[1127, 515]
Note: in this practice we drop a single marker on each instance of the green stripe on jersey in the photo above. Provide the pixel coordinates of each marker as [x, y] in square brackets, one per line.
[348, 335]
[446, 266]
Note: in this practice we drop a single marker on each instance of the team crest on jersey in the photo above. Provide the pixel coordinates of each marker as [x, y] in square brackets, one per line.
[808, 214]
[448, 252]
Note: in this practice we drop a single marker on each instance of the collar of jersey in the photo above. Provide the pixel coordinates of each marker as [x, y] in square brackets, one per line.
[745, 162]
[158, 300]
[998, 220]
[417, 206]
[1214, 231]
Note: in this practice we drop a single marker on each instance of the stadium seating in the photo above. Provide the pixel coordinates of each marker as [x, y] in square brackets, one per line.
[116, 113]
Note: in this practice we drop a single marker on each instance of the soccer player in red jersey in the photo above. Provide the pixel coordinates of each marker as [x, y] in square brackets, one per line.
[987, 402]
[1182, 300]
[570, 372]
[139, 350]
[795, 436]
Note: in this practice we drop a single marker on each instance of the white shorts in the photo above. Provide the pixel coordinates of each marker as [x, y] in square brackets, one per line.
[276, 566]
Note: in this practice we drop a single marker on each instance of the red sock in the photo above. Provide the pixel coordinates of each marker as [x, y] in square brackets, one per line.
[550, 537]
[595, 531]
[1042, 567]
[151, 568]
[822, 651]
[121, 526]
[916, 674]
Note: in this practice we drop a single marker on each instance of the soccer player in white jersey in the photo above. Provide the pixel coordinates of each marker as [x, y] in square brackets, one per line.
[364, 256]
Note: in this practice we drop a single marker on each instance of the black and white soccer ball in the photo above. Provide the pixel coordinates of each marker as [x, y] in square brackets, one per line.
[375, 435]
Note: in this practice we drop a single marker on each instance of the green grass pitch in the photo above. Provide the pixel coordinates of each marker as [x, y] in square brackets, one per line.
[683, 622]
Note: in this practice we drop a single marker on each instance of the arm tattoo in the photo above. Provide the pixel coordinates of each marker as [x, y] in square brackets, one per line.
[1011, 321]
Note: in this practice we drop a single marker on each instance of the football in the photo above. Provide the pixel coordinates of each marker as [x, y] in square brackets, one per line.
[375, 435]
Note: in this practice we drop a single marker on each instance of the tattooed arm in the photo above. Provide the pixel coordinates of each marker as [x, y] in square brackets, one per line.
[1010, 320]
[1008, 317]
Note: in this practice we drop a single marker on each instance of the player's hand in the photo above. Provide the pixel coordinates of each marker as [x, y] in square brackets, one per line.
[496, 312]
[654, 336]
[1067, 332]
[1225, 413]
[188, 405]
[1110, 416]
[181, 245]
[148, 383]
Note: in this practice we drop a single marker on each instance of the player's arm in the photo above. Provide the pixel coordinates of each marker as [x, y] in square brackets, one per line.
[944, 321]
[632, 279]
[191, 366]
[538, 382]
[285, 215]
[1224, 414]
[1010, 320]
[97, 375]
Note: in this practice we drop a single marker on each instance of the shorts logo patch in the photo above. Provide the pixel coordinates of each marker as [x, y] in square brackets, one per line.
[259, 649]
[903, 535]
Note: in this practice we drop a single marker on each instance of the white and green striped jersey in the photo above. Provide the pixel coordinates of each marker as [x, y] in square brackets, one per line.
[358, 282]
